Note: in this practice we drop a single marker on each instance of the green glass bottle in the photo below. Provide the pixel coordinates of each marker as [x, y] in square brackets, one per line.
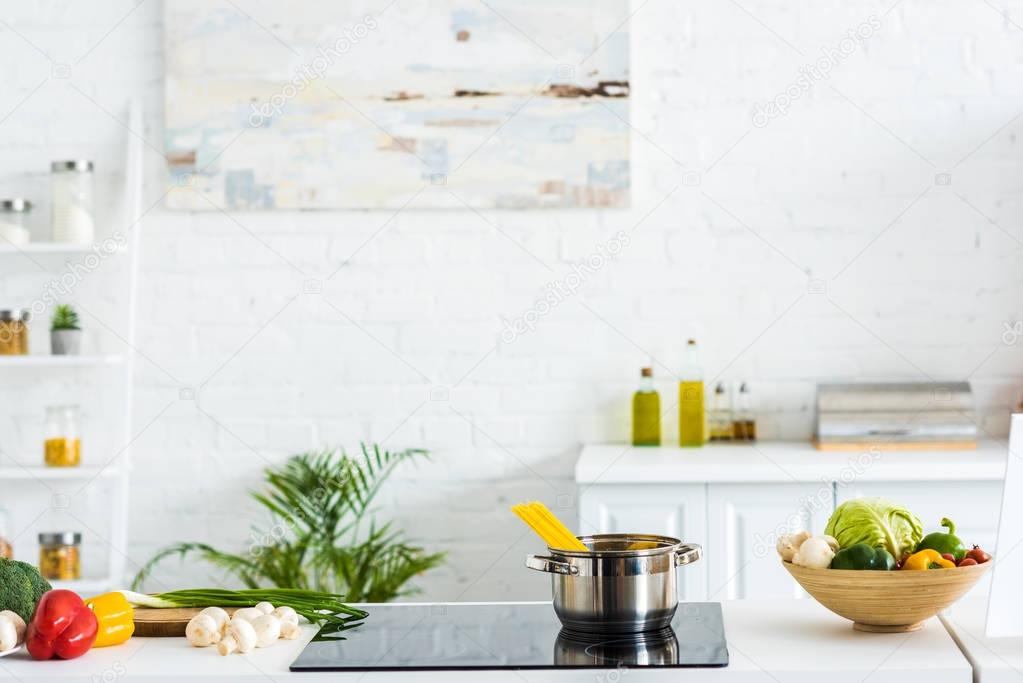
[646, 412]
[692, 415]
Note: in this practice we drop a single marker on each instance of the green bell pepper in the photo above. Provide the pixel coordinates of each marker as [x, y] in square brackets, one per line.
[863, 556]
[944, 542]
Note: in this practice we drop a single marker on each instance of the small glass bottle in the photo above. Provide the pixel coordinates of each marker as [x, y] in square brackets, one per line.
[745, 425]
[63, 446]
[14, 221]
[72, 218]
[60, 557]
[646, 412]
[720, 419]
[692, 414]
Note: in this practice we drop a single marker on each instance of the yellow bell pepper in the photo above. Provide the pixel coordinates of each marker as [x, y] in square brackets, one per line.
[925, 558]
[116, 618]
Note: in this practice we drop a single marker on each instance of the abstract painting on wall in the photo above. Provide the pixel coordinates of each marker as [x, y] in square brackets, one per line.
[369, 104]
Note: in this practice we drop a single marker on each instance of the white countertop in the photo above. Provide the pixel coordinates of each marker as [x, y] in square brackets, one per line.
[782, 462]
[792, 641]
[994, 660]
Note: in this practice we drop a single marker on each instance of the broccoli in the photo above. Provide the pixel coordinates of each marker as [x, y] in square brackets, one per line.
[21, 586]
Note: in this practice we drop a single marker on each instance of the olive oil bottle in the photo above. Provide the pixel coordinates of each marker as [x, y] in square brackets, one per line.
[646, 412]
[692, 414]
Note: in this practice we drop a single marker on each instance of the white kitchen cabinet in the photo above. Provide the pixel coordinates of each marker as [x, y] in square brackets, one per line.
[974, 506]
[735, 499]
[737, 525]
[676, 510]
[744, 522]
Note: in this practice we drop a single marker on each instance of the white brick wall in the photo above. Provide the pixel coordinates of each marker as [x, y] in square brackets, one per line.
[756, 213]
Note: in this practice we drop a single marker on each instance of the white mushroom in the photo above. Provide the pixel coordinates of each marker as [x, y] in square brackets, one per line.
[268, 630]
[286, 614]
[814, 553]
[290, 630]
[788, 544]
[264, 607]
[202, 630]
[241, 637]
[19, 624]
[220, 616]
[8, 634]
[832, 542]
[248, 614]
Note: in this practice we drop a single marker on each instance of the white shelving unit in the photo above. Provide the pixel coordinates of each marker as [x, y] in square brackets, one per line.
[59, 248]
[113, 475]
[43, 473]
[61, 361]
[86, 587]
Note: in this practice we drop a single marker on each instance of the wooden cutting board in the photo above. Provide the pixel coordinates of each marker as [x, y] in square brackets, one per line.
[165, 623]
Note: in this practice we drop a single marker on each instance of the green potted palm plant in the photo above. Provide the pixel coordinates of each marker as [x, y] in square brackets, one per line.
[323, 535]
[65, 333]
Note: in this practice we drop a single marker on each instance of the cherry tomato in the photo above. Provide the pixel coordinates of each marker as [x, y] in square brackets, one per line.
[967, 562]
[979, 555]
[950, 557]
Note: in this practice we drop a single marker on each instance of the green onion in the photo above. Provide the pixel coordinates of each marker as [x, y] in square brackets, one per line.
[317, 607]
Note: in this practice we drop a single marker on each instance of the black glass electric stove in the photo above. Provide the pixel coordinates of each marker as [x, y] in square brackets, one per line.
[455, 637]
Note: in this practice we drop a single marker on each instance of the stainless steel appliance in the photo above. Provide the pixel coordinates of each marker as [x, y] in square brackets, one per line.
[625, 583]
[895, 416]
[510, 636]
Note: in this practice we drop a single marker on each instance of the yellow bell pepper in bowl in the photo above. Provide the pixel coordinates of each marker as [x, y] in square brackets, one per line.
[927, 559]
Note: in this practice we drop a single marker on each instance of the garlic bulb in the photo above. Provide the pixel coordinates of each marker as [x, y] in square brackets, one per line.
[788, 544]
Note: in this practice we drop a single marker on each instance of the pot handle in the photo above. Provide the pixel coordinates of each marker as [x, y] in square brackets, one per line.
[545, 563]
[688, 554]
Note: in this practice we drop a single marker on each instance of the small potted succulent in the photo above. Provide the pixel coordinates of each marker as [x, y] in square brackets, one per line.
[65, 334]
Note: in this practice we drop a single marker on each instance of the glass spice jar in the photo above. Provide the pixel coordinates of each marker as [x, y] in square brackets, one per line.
[63, 446]
[72, 201]
[14, 221]
[14, 331]
[60, 557]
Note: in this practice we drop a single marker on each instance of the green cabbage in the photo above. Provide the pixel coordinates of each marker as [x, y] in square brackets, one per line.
[879, 523]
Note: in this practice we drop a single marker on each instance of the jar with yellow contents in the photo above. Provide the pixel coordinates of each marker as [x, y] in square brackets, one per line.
[60, 556]
[14, 331]
[63, 445]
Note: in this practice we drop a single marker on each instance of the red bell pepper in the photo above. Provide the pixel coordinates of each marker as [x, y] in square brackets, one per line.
[62, 626]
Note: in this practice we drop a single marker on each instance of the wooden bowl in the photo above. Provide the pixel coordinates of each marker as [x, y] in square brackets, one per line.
[887, 602]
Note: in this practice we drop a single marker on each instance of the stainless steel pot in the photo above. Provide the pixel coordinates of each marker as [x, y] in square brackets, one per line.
[626, 583]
